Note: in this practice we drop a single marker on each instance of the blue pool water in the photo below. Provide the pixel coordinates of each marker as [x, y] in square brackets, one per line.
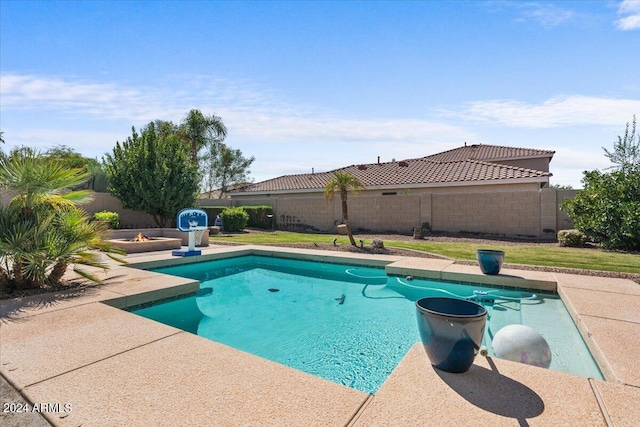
[348, 324]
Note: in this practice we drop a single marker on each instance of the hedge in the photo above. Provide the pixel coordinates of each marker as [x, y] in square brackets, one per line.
[234, 219]
[113, 218]
[259, 216]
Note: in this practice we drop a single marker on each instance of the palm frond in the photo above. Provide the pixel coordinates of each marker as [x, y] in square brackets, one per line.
[87, 275]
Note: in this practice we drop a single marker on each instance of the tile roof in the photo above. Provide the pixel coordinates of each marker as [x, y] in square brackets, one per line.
[489, 153]
[408, 172]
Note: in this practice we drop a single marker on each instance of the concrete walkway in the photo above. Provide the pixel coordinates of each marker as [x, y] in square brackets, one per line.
[83, 361]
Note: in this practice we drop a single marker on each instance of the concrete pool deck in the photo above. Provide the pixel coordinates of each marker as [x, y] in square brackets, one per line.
[115, 368]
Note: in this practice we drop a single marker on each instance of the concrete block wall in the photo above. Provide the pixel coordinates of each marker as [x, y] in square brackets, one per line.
[528, 214]
[135, 219]
[306, 214]
[562, 219]
[525, 213]
[504, 213]
[396, 213]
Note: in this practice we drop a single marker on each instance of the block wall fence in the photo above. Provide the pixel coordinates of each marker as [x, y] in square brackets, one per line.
[525, 214]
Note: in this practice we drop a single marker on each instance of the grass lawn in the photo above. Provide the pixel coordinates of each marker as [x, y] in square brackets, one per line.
[532, 254]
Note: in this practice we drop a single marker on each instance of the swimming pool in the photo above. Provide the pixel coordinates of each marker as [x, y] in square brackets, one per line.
[349, 324]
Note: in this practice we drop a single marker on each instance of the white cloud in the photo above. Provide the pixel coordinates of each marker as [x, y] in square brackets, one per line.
[630, 11]
[169, 101]
[91, 116]
[284, 138]
[278, 127]
[249, 113]
[90, 143]
[580, 159]
[558, 111]
[546, 14]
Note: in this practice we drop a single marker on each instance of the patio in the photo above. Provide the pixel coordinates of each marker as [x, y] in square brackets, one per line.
[115, 368]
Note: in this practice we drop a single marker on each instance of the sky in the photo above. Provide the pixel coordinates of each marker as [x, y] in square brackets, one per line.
[320, 85]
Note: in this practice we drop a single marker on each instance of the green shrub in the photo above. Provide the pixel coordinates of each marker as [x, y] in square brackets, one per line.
[111, 217]
[212, 211]
[571, 238]
[234, 219]
[608, 208]
[259, 216]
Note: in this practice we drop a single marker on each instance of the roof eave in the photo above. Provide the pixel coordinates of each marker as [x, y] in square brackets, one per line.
[536, 156]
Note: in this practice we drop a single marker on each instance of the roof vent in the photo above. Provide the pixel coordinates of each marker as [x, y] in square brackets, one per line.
[403, 164]
[362, 167]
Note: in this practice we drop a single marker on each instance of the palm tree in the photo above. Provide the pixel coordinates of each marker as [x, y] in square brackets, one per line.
[42, 231]
[343, 182]
[74, 243]
[199, 131]
[39, 181]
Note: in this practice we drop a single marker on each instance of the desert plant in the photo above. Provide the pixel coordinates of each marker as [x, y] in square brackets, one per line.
[234, 219]
[113, 218]
[572, 238]
[42, 232]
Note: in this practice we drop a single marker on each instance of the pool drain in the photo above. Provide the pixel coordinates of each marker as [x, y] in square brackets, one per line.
[274, 290]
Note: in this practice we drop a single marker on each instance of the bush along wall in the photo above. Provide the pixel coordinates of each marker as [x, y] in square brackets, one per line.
[212, 211]
[234, 219]
[259, 216]
[113, 218]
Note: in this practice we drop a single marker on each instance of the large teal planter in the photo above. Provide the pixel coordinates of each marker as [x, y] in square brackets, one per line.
[451, 331]
[490, 260]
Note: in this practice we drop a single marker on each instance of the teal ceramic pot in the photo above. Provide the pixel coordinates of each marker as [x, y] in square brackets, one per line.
[451, 331]
[490, 260]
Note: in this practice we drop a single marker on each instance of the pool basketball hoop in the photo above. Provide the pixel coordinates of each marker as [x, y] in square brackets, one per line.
[193, 221]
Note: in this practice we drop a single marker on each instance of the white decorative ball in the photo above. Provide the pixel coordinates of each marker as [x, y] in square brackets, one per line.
[523, 344]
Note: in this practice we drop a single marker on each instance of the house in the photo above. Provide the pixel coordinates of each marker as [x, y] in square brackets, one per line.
[483, 189]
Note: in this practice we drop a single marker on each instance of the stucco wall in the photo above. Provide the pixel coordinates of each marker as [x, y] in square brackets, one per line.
[128, 218]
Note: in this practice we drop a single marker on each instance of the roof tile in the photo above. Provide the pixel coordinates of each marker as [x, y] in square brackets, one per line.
[489, 153]
[418, 171]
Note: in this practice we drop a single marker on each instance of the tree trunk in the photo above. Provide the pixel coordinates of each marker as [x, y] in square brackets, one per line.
[18, 273]
[194, 153]
[4, 278]
[58, 271]
[345, 216]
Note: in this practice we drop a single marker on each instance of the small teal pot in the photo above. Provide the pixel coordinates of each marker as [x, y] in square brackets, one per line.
[451, 331]
[490, 260]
